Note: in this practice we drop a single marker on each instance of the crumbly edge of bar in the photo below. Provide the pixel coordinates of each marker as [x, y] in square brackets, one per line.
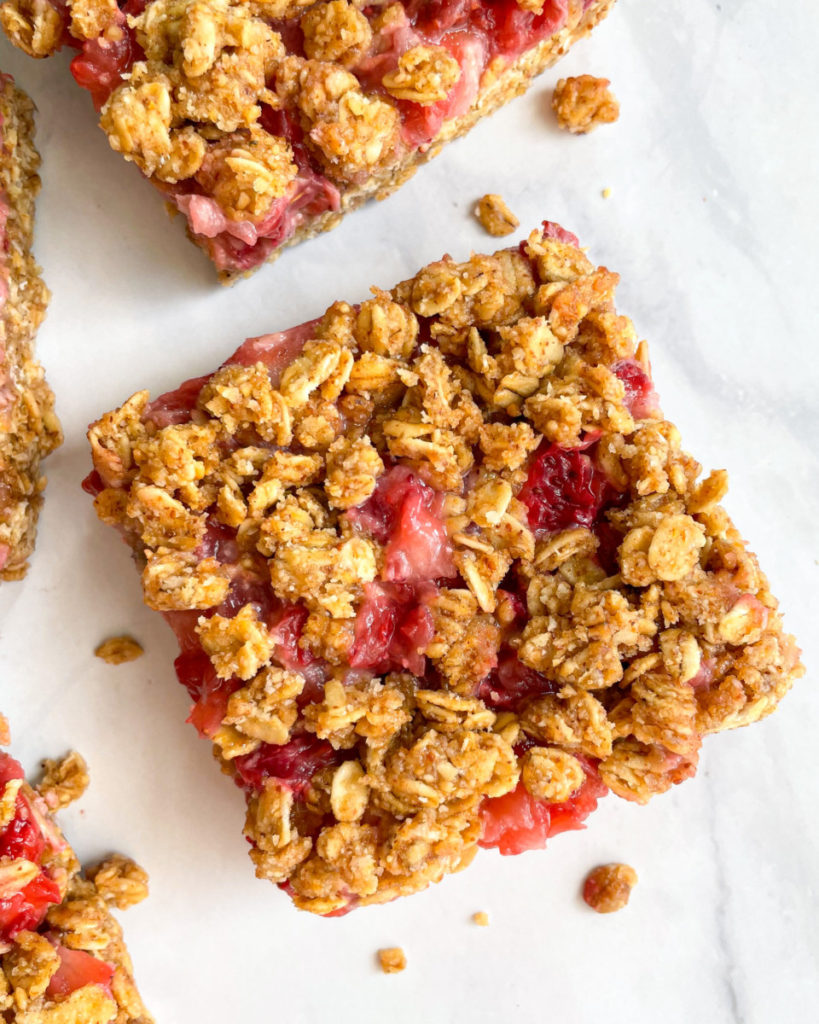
[512, 82]
[81, 921]
[29, 429]
[524, 354]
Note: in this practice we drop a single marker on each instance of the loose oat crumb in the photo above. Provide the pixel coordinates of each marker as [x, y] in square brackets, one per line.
[392, 960]
[584, 102]
[63, 781]
[119, 649]
[607, 888]
[495, 216]
[120, 881]
[606, 193]
[481, 918]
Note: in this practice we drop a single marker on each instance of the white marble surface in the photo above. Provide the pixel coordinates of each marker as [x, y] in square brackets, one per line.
[712, 224]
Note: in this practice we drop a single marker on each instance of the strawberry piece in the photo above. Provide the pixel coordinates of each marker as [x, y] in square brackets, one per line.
[78, 969]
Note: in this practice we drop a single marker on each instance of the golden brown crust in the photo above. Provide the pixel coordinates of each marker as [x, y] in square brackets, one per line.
[29, 430]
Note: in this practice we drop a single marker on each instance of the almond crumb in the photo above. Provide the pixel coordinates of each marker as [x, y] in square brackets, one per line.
[607, 888]
[392, 960]
[481, 918]
[119, 649]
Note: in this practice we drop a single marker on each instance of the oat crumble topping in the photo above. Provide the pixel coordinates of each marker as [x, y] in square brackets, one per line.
[441, 572]
[583, 103]
[392, 960]
[119, 649]
[495, 216]
[607, 888]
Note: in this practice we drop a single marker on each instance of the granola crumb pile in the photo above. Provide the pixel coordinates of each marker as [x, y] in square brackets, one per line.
[62, 955]
[495, 216]
[266, 121]
[441, 572]
[481, 918]
[392, 960]
[583, 103]
[607, 888]
[119, 649]
[29, 429]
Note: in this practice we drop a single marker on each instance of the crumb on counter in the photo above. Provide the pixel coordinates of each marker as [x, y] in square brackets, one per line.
[607, 888]
[120, 881]
[119, 649]
[481, 918]
[392, 960]
[63, 781]
[495, 216]
[606, 193]
[584, 102]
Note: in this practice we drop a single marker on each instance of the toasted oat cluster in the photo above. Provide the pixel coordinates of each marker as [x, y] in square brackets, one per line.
[29, 430]
[117, 650]
[261, 122]
[583, 103]
[608, 887]
[62, 956]
[441, 573]
[495, 216]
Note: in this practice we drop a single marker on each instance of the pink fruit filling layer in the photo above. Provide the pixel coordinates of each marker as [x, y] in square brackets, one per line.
[476, 33]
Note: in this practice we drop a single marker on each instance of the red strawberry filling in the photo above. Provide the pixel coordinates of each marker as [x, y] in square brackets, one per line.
[517, 822]
[292, 764]
[641, 398]
[564, 488]
[78, 969]
[22, 841]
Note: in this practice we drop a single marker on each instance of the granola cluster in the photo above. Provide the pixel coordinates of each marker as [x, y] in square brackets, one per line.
[607, 888]
[583, 103]
[449, 556]
[66, 964]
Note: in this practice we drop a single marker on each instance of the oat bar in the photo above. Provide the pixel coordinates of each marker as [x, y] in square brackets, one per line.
[62, 956]
[264, 122]
[441, 574]
[29, 430]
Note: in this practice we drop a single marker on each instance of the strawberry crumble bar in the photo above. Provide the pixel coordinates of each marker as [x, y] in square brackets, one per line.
[263, 121]
[441, 574]
[29, 430]
[62, 957]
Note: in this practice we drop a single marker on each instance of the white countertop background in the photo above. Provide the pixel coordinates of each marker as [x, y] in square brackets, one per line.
[712, 223]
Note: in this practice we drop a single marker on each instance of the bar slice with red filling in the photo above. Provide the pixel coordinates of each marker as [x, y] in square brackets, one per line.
[29, 429]
[441, 574]
[62, 956]
[263, 123]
